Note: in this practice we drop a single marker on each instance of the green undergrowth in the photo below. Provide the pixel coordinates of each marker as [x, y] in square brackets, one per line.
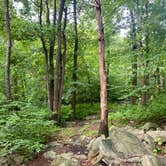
[82, 110]
[124, 114]
[84, 130]
[24, 128]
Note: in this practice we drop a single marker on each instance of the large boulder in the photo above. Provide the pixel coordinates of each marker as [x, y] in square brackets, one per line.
[150, 160]
[126, 143]
[119, 145]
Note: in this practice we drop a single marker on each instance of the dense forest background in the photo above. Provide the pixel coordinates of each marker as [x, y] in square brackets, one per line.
[50, 66]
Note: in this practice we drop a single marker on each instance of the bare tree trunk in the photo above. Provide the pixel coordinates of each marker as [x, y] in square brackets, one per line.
[58, 59]
[74, 77]
[133, 56]
[145, 79]
[48, 52]
[51, 51]
[45, 53]
[8, 51]
[63, 60]
[103, 81]
[108, 72]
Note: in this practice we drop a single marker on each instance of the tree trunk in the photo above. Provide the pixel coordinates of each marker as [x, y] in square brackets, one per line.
[108, 73]
[51, 52]
[74, 77]
[58, 59]
[145, 79]
[63, 60]
[48, 50]
[103, 129]
[133, 57]
[46, 56]
[8, 51]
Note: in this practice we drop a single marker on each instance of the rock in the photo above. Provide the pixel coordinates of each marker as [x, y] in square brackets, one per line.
[49, 155]
[54, 144]
[80, 157]
[150, 126]
[158, 136]
[119, 145]
[148, 142]
[65, 159]
[93, 146]
[126, 143]
[3, 161]
[149, 160]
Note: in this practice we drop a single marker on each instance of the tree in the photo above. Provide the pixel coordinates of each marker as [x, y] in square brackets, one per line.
[103, 129]
[58, 68]
[48, 51]
[8, 51]
[74, 76]
[133, 56]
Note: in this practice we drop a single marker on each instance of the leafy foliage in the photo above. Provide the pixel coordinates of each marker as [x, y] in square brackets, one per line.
[127, 113]
[24, 130]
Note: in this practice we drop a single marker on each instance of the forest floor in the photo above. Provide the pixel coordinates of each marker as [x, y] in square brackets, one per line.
[74, 138]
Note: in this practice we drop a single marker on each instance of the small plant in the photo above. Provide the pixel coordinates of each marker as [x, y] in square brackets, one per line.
[160, 148]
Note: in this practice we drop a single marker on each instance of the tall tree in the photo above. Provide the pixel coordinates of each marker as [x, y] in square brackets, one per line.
[133, 56]
[48, 47]
[58, 68]
[74, 76]
[103, 129]
[8, 50]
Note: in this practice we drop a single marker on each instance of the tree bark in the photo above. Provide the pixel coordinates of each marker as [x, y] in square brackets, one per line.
[133, 56]
[8, 51]
[74, 77]
[45, 54]
[103, 129]
[48, 50]
[51, 52]
[145, 79]
[63, 60]
[58, 59]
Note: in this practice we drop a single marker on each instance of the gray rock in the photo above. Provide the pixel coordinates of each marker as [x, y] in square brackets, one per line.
[119, 145]
[93, 147]
[80, 157]
[108, 150]
[126, 143]
[49, 155]
[54, 144]
[148, 142]
[158, 136]
[150, 126]
[65, 159]
[149, 160]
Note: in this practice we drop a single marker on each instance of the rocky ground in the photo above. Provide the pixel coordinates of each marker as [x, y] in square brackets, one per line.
[78, 145]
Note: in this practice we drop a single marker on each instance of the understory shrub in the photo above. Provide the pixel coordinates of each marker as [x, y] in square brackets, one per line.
[23, 130]
[125, 113]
